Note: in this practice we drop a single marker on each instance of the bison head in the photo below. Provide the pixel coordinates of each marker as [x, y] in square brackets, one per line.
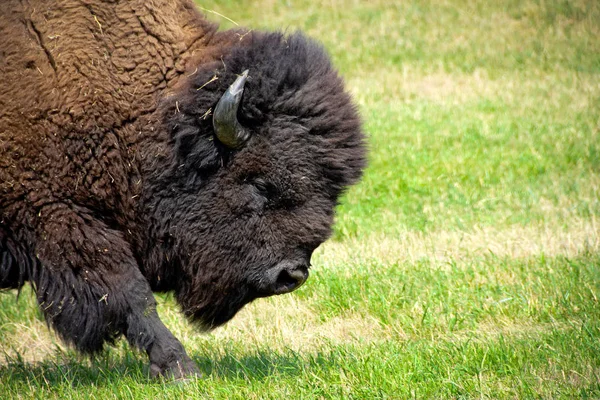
[245, 189]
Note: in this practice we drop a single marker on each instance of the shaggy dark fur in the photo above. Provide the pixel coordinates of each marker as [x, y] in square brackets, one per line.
[113, 184]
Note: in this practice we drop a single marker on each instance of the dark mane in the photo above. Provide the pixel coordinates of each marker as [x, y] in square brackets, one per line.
[291, 78]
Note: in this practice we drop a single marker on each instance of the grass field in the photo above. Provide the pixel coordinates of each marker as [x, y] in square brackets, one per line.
[466, 264]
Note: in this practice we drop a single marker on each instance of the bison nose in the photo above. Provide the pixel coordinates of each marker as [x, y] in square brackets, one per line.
[283, 277]
[290, 278]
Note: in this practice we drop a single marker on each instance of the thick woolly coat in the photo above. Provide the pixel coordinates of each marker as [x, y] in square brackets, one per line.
[112, 183]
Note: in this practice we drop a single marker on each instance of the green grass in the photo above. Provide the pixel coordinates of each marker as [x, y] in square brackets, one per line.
[466, 264]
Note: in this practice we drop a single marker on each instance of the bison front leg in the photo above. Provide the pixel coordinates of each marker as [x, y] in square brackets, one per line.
[91, 291]
[145, 330]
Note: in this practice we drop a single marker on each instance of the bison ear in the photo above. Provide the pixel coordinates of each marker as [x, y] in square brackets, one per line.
[228, 129]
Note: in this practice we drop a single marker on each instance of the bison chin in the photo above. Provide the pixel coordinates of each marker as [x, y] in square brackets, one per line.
[210, 305]
[211, 308]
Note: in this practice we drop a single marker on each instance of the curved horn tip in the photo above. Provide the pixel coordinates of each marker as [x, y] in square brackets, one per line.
[228, 129]
[238, 86]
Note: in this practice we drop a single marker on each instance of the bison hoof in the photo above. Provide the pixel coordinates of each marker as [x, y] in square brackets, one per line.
[178, 370]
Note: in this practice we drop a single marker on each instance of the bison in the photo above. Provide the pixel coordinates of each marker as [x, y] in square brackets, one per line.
[142, 149]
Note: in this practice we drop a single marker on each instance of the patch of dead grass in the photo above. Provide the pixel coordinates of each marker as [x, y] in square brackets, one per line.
[511, 328]
[32, 342]
[400, 87]
[288, 323]
[514, 242]
[577, 92]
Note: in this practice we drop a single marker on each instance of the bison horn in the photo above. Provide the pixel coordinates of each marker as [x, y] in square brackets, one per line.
[228, 129]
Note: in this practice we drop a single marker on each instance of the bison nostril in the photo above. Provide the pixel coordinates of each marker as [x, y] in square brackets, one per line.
[290, 279]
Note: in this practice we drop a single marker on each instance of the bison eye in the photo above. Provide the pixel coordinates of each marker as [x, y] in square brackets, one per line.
[265, 188]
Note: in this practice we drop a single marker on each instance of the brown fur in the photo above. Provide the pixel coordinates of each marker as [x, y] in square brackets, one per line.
[83, 80]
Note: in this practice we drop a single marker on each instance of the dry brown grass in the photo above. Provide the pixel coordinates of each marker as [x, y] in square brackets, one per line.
[516, 242]
[33, 342]
[286, 323]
